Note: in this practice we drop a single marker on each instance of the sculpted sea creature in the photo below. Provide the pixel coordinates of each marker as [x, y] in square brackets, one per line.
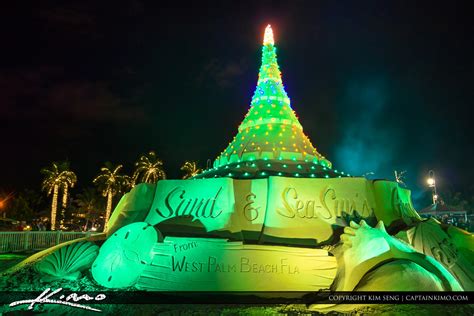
[124, 255]
[369, 259]
[67, 262]
[366, 248]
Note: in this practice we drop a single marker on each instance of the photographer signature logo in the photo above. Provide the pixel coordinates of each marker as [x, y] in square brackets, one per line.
[47, 297]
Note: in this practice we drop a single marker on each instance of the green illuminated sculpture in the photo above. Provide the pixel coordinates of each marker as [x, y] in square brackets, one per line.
[264, 216]
[270, 185]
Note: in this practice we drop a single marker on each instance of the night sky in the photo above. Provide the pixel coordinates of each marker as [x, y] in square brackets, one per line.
[377, 86]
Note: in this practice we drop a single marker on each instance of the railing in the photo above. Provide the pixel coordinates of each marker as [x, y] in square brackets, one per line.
[35, 240]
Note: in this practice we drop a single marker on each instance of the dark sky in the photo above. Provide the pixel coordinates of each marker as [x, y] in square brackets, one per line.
[378, 86]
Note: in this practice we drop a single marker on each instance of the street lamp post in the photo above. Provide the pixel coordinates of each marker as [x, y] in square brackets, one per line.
[432, 184]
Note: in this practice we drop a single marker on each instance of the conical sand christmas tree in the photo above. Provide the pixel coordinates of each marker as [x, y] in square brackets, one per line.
[270, 140]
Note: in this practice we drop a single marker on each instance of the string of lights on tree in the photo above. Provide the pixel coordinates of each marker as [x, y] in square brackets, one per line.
[270, 139]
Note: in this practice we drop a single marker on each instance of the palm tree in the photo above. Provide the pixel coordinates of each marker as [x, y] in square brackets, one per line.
[191, 169]
[148, 169]
[57, 177]
[110, 182]
[87, 202]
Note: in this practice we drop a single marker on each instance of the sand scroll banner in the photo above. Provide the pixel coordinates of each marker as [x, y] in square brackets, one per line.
[199, 264]
[206, 204]
[310, 209]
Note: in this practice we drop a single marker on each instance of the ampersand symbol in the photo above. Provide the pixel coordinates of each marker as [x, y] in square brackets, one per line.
[250, 213]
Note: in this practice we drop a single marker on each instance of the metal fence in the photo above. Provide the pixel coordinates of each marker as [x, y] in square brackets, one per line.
[35, 240]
